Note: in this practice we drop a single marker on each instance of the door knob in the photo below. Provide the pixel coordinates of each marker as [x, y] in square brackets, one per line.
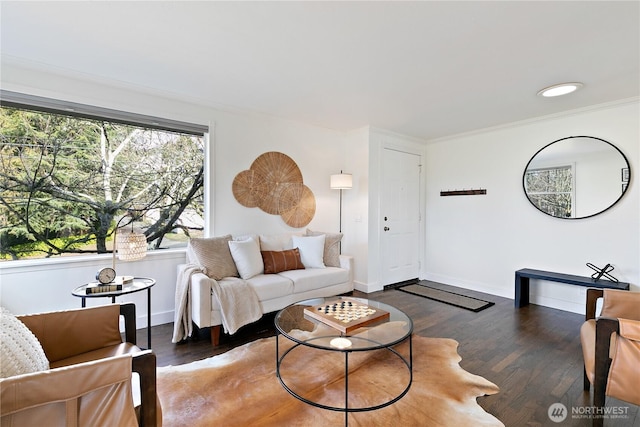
[386, 229]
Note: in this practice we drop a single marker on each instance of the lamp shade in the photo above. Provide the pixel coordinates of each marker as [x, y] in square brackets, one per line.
[341, 181]
[131, 246]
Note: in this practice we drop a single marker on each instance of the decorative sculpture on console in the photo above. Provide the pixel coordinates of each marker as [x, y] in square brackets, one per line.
[599, 272]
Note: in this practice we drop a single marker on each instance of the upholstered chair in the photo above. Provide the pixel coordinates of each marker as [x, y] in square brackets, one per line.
[74, 369]
[611, 347]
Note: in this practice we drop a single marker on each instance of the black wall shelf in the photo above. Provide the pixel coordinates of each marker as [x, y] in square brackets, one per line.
[464, 192]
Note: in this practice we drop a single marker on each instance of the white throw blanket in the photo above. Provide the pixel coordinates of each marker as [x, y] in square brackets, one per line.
[182, 324]
[239, 304]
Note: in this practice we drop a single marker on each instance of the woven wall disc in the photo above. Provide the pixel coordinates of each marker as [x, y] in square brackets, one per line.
[269, 201]
[277, 168]
[302, 213]
[249, 187]
[290, 196]
[274, 184]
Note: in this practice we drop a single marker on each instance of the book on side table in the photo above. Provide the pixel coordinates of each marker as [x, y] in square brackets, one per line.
[97, 288]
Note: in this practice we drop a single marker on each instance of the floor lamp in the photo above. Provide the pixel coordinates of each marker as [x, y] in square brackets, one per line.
[341, 181]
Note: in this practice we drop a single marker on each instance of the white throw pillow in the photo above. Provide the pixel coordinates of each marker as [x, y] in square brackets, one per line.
[20, 350]
[276, 242]
[331, 247]
[246, 255]
[311, 250]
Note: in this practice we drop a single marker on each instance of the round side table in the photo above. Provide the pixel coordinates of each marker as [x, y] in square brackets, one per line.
[138, 284]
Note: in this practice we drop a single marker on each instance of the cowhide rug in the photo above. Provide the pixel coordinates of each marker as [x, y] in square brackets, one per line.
[240, 388]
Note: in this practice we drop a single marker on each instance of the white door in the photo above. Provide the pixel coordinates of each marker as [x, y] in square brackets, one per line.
[400, 216]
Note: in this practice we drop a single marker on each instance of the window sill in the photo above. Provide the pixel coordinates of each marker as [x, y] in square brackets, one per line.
[39, 263]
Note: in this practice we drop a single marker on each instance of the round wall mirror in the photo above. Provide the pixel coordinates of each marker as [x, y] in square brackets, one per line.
[576, 177]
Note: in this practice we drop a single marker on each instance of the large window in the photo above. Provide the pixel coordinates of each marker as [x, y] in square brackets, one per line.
[551, 190]
[67, 180]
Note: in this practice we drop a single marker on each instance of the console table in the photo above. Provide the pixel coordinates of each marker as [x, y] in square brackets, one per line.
[523, 276]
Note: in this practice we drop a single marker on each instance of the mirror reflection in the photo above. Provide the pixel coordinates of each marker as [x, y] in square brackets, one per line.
[576, 177]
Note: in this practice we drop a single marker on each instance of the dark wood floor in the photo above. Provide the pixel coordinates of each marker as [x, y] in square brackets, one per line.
[533, 353]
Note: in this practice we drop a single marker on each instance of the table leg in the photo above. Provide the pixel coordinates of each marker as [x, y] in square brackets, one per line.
[411, 356]
[277, 350]
[346, 388]
[522, 291]
[149, 318]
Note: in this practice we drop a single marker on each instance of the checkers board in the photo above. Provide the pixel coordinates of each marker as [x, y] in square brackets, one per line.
[346, 314]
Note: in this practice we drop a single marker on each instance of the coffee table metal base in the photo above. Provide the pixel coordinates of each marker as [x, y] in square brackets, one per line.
[346, 409]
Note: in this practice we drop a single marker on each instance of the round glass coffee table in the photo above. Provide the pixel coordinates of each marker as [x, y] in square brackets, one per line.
[311, 328]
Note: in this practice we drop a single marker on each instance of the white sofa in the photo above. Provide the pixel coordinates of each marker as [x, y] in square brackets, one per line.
[332, 274]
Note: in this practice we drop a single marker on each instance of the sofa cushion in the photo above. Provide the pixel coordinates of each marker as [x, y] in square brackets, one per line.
[332, 241]
[20, 350]
[269, 286]
[311, 250]
[246, 255]
[310, 279]
[277, 261]
[214, 255]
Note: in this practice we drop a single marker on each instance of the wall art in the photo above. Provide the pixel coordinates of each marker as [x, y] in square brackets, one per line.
[274, 184]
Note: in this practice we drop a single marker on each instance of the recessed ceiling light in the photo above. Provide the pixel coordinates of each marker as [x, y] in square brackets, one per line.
[559, 89]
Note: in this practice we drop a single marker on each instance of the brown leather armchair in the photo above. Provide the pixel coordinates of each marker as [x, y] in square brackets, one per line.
[611, 347]
[90, 379]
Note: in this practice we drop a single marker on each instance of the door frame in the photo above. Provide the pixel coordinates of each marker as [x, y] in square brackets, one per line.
[379, 140]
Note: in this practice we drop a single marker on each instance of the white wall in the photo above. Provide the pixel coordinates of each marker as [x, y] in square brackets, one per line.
[355, 211]
[46, 285]
[474, 241]
[237, 139]
[478, 242]
[240, 139]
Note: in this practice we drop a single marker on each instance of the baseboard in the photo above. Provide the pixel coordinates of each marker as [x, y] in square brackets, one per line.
[473, 286]
[557, 304]
[375, 287]
[156, 319]
[367, 288]
[538, 296]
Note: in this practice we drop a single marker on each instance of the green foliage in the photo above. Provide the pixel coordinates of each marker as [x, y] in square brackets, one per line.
[66, 181]
[35, 249]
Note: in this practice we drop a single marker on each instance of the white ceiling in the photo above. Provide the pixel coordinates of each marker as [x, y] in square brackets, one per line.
[427, 69]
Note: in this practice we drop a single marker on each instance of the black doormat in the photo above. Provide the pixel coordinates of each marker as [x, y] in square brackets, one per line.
[451, 298]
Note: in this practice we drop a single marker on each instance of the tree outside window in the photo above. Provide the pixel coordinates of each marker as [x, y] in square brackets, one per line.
[551, 190]
[66, 181]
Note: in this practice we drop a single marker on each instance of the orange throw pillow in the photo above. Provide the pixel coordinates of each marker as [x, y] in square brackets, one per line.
[277, 261]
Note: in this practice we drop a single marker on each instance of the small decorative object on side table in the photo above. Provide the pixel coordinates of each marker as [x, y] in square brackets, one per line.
[101, 290]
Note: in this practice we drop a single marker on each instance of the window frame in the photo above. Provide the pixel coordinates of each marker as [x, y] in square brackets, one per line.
[571, 193]
[18, 100]
[54, 106]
